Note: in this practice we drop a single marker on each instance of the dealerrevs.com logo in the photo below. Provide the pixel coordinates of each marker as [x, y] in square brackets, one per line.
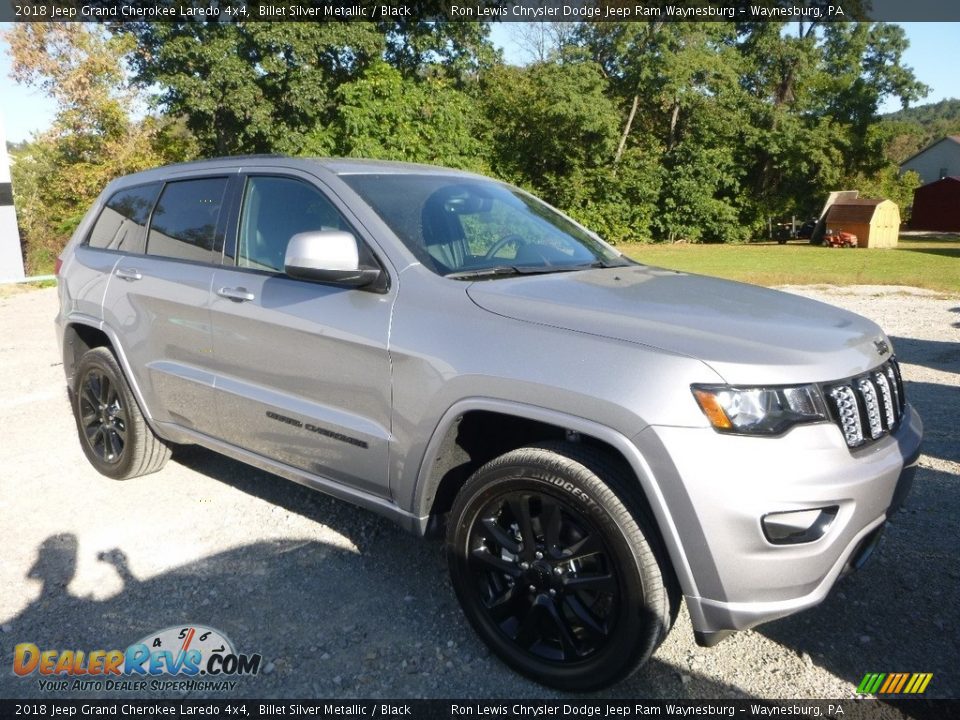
[186, 657]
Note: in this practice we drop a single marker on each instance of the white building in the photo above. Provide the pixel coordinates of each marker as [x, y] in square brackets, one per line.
[939, 160]
[11, 259]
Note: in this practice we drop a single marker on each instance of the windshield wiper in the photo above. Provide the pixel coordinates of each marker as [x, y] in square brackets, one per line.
[508, 270]
[624, 262]
[484, 272]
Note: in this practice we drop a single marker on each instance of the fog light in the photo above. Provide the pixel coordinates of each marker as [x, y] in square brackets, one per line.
[798, 526]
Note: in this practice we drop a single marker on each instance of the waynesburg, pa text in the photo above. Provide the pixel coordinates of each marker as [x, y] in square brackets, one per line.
[638, 12]
[627, 709]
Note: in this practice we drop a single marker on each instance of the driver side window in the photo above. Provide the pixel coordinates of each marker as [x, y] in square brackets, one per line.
[274, 210]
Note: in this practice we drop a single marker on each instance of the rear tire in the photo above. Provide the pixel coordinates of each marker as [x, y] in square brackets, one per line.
[113, 433]
[558, 573]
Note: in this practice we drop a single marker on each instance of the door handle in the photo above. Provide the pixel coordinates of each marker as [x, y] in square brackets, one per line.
[128, 274]
[236, 294]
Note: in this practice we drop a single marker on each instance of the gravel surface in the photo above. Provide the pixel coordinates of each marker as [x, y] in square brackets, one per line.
[343, 604]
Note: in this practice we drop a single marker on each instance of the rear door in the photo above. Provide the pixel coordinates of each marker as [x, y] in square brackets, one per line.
[158, 301]
[302, 369]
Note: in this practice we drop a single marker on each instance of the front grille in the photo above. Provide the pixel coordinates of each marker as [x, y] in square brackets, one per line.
[868, 406]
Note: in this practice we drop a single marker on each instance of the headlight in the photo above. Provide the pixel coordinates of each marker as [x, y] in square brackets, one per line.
[760, 411]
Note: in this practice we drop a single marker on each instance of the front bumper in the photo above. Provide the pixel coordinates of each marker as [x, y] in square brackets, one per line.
[726, 485]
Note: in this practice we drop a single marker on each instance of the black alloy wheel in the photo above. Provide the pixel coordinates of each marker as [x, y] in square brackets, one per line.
[102, 416]
[113, 433]
[556, 571]
[544, 575]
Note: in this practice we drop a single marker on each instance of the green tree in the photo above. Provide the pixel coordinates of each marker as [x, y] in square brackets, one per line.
[250, 87]
[93, 139]
[458, 51]
[553, 129]
[680, 99]
[382, 115]
[813, 100]
[272, 87]
[549, 120]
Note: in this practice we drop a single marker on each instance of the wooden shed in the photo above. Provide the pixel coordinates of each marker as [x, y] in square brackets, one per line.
[876, 223]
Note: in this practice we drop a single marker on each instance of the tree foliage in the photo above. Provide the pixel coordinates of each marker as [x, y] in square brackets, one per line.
[910, 130]
[380, 115]
[644, 131]
[93, 138]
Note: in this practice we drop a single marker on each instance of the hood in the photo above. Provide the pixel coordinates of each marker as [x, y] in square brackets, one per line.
[749, 335]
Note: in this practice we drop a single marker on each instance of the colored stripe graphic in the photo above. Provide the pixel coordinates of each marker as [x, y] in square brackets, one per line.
[894, 683]
[870, 683]
[923, 679]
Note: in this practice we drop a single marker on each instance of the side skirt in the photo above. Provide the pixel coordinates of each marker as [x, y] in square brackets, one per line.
[382, 506]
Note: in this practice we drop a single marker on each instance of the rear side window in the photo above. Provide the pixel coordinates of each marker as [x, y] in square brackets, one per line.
[274, 210]
[184, 223]
[123, 221]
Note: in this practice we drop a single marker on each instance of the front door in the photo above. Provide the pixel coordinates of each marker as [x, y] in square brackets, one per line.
[302, 368]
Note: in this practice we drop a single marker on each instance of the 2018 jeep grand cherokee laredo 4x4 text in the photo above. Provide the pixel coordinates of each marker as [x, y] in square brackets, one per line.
[601, 437]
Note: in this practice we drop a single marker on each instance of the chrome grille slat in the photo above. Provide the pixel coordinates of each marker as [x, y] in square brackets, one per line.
[894, 385]
[869, 406]
[890, 413]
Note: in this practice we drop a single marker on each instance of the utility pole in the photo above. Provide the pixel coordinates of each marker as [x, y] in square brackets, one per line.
[11, 257]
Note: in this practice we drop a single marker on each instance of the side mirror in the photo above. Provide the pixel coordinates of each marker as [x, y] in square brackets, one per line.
[327, 256]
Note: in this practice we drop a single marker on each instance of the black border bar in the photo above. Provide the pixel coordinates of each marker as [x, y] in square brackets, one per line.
[461, 709]
[480, 10]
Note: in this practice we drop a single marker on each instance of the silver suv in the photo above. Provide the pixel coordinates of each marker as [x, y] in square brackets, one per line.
[600, 438]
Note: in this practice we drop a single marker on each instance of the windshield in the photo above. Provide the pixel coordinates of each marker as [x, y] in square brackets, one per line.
[467, 228]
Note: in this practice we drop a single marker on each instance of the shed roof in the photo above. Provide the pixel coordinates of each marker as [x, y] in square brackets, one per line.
[854, 211]
[860, 201]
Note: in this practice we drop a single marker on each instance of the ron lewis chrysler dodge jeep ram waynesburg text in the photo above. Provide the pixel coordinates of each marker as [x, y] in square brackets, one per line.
[599, 438]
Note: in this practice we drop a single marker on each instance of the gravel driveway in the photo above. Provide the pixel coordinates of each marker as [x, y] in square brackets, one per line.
[342, 604]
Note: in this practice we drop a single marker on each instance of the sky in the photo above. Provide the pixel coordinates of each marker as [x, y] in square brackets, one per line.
[26, 111]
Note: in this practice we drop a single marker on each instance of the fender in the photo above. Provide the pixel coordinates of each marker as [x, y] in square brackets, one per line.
[427, 483]
[97, 324]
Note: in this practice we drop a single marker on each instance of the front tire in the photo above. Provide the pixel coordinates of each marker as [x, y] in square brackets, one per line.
[113, 433]
[555, 570]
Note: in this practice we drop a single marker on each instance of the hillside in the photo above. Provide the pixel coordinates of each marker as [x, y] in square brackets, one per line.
[913, 129]
[930, 114]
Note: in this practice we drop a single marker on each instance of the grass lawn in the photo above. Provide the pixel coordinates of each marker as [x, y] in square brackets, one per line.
[928, 262]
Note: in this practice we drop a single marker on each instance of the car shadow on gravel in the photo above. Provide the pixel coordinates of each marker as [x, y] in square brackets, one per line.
[955, 310]
[898, 613]
[934, 354]
[328, 622]
[937, 403]
[368, 613]
[415, 571]
[939, 408]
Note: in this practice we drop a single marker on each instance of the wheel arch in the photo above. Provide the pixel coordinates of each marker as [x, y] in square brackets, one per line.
[82, 333]
[446, 465]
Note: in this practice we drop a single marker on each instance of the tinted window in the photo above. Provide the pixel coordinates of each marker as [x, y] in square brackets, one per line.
[457, 224]
[274, 210]
[123, 221]
[185, 220]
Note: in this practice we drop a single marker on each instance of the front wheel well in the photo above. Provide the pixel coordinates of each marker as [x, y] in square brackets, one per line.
[478, 436]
